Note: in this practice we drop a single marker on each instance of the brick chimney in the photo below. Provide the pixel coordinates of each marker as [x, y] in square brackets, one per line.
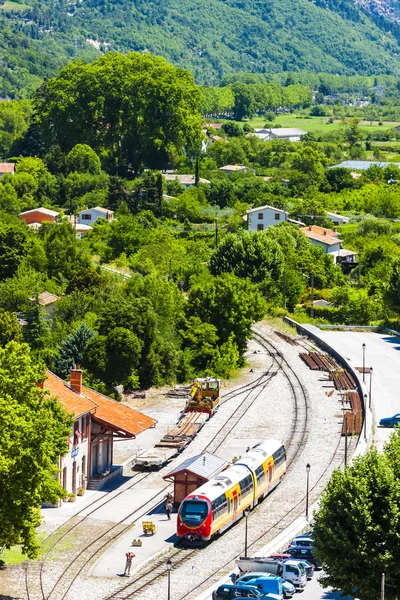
[325, 232]
[75, 380]
[40, 384]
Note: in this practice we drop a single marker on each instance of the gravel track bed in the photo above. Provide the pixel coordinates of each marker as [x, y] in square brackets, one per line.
[271, 415]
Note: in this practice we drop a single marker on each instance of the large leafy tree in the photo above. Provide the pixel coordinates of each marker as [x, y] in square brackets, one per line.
[251, 255]
[14, 245]
[136, 110]
[357, 527]
[229, 303]
[34, 434]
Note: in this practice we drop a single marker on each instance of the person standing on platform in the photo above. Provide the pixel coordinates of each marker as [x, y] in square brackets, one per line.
[128, 563]
[168, 509]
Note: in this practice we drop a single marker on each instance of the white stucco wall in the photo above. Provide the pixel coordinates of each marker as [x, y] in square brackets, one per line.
[268, 219]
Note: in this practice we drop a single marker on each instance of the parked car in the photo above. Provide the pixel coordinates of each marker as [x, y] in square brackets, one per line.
[288, 589]
[309, 568]
[303, 554]
[390, 421]
[302, 542]
[237, 591]
[265, 582]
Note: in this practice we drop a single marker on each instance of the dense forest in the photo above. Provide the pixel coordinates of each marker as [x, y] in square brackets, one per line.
[210, 39]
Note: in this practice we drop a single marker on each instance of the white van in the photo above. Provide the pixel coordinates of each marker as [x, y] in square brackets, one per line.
[289, 570]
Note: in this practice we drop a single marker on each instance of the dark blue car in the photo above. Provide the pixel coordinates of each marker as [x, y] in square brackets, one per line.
[390, 421]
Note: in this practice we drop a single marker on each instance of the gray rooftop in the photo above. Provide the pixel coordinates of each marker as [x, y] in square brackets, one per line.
[362, 165]
[204, 465]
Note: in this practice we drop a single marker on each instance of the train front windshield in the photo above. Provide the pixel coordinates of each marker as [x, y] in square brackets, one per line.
[194, 512]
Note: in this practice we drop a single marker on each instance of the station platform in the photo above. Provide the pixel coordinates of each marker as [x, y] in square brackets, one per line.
[112, 562]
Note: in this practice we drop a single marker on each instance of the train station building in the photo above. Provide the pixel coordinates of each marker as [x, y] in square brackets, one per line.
[98, 422]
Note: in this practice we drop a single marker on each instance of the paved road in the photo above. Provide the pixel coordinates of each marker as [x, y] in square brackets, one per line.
[314, 591]
[382, 353]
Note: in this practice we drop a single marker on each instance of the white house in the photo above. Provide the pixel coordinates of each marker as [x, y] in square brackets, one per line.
[258, 219]
[338, 219]
[293, 134]
[186, 180]
[90, 215]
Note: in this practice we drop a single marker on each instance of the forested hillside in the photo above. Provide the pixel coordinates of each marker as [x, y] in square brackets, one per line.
[210, 38]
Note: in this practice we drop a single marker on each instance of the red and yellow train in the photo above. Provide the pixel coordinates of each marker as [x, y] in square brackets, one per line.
[217, 504]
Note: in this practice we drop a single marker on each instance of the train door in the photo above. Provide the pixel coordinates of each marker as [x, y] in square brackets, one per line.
[269, 474]
[235, 503]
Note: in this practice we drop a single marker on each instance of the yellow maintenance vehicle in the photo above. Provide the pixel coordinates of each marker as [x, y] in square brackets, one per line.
[204, 395]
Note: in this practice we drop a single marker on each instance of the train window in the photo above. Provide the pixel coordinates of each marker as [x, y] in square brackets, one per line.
[246, 484]
[219, 505]
[260, 474]
[279, 456]
[193, 512]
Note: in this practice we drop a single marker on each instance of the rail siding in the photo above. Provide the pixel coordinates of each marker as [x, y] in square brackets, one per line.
[313, 332]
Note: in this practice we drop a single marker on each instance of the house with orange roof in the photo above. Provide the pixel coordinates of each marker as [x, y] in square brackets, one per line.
[99, 421]
[327, 239]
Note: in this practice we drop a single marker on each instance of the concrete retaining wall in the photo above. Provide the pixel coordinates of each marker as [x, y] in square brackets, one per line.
[314, 333]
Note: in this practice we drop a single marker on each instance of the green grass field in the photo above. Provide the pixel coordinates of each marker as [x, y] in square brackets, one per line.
[314, 124]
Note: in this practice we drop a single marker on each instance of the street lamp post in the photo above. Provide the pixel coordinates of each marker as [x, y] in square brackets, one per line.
[308, 468]
[370, 387]
[246, 514]
[169, 567]
[365, 416]
[363, 348]
[345, 441]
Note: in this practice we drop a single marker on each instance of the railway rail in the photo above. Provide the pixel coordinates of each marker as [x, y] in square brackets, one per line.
[298, 438]
[180, 556]
[100, 542]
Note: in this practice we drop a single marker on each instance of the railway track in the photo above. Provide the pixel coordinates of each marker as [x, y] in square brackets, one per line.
[252, 390]
[180, 556]
[287, 519]
[298, 438]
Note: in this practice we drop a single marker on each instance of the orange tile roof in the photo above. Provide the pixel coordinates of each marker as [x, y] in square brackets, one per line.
[7, 167]
[118, 415]
[70, 400]
[320, 230]
[327, 239]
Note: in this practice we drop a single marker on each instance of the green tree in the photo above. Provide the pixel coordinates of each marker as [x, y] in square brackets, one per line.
[251, 255]
[357, 527]
[353, 132]
[14, 245]
[10, 329]
[229, 303]
[35, 430]
[83, 159]
[135, 110]
[72, 351]
[244, 104]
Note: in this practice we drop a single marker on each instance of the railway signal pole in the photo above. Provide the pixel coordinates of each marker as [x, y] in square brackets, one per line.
[308, 468]
[169, 567]
[246, 514]
[363, 349]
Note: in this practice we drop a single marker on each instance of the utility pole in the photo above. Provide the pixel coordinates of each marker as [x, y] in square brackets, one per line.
[312, 295]
[345, 442]
[383, 587]
[284, 290]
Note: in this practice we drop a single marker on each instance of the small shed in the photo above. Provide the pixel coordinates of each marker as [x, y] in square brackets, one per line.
[193, 473]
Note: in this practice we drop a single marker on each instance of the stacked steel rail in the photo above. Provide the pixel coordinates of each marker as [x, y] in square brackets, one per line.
[344, 383]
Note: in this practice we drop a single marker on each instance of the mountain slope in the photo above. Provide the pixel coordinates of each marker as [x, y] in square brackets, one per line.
[210, 37]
